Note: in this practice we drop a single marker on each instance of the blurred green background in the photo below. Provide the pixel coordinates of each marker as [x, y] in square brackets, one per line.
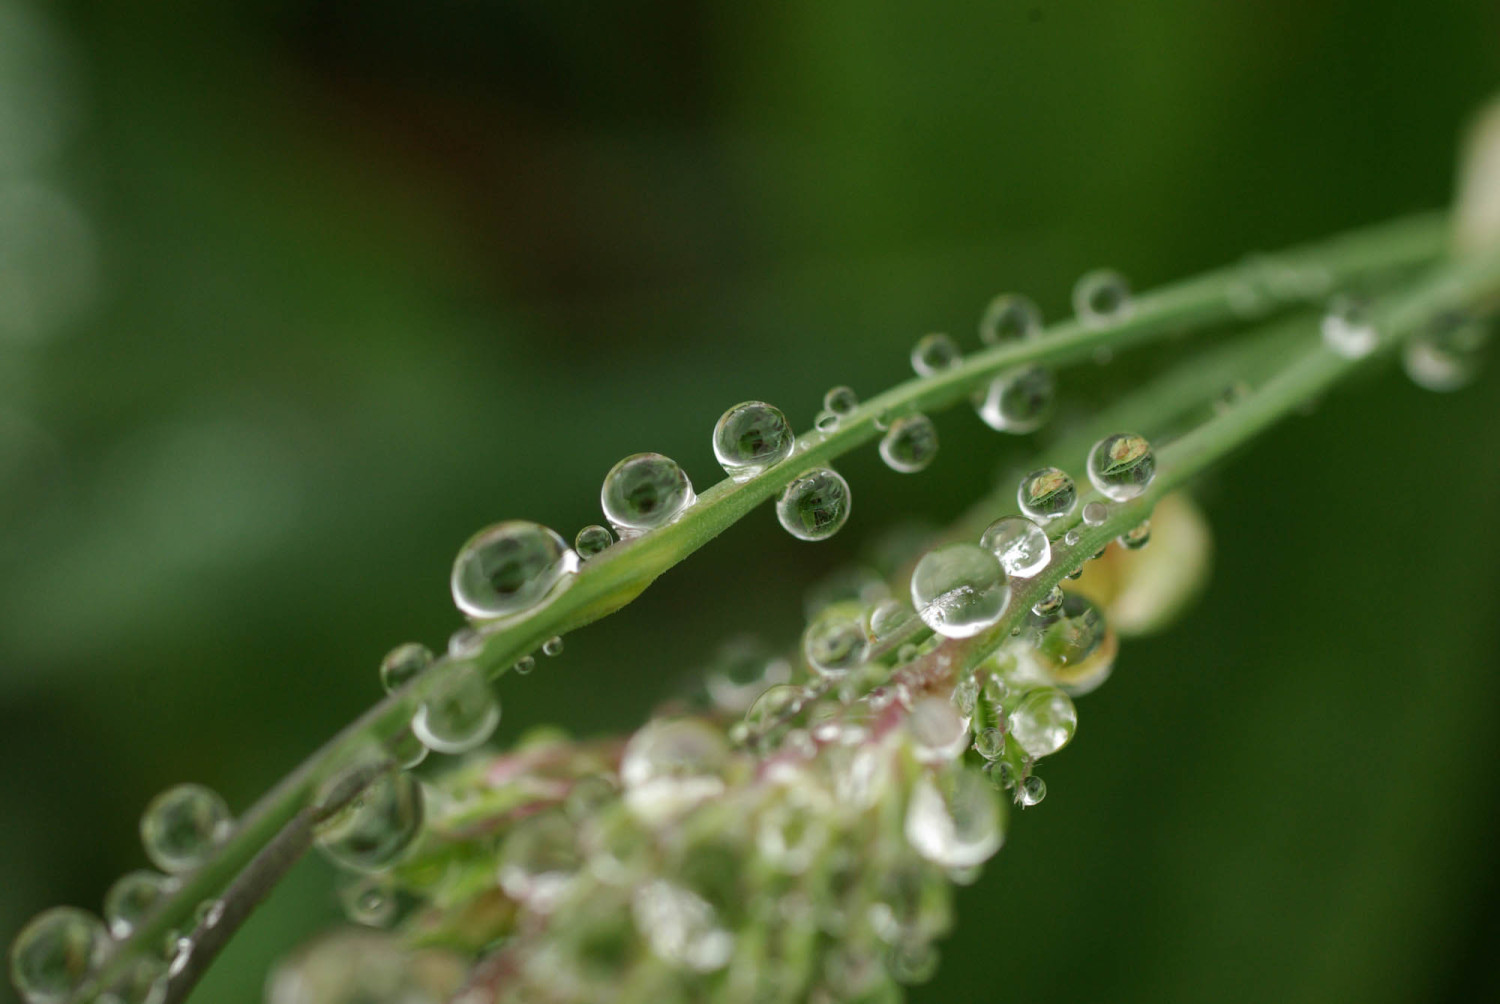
[295, 295]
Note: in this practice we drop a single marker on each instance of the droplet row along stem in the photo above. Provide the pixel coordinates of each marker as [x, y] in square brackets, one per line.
[615, 577]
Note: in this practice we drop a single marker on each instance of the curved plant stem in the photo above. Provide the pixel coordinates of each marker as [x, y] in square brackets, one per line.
[279, 823]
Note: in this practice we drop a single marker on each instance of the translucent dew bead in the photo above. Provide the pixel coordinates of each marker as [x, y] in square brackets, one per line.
[55, 953]
[403, 664]
[1121, 466]
[1101, 297]
[458, 712]
[1019, 400]
[840, 401]
[935, 353]
[835, 642]
[953, 819]
[1047, 493]
[1021, 545]
[910, 444]
[509, 567]
[1009, 317]
[645, 491]
[591, 540]
[751, 437]
[1043, 721]
[815, 505]
[131, 898]
[182, 826]
[372, 831]
[959, 590]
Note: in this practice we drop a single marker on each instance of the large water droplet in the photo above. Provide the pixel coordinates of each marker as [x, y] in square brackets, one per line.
[373, 830]
[840, 401]
[1021, 545]
[750, 437]
[131, 898]
[671, 765]
[1101, 297]
[1009, 317]
[815, 505]
[403, 664]
[954, 819]
[835, 642]
[458, 712]
[935, 353]
[182, 826]
[938, 732]
[645, 491]
[1047, 493]
[55, 953]
[680, 926]
[591, 540]
[1121, 466]
[959, 590]
[1043, 720]
[1018, 400]
[509, 567]
[1075, 645]
[910, 444]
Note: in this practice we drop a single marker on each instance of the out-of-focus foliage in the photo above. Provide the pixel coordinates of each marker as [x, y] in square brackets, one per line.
[294, 296]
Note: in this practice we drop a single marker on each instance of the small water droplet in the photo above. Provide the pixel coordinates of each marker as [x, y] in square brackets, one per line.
[645, 491]
[1031, 791]
[1347, 328]
[464, 641]
[1009, 317]
[825, 422]
[1048, 604]
[1021, 545]
[1018, 400]
[1043, 721]
[671, 765]
[772, 709]
[372, 830]
[553, 646]
[1000, 774]
[592, 539]
[1047, 493]
[210, 912]
[458, 712]
[815, 505]
[959, 590]
[835, 642]
[509, 567]
[1137, 536]
[369, 901]
[1095, 513]
[751, 437]
[182, 826]
[524, 665]
[403, 664]
[910, 445]
[954, 819]
[1121, 466]
[1101, 297]
[841, 401]
[990, 743]
[130, 899]
[938, 732]
[1448, 356]
[1071, 538]
[56, 952]
[935, 353]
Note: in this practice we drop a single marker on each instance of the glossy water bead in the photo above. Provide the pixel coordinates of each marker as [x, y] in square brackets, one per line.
[959, 590]
[592, 539]
[1047, 493]
[403, 664]
[55, 954]
[1101, 297]
[815, 505]
[1137, 536]
[840, 401]
[953, 818]
[1095, 513]
[1074, 644]
[835, 642]
[935, 353]
[1009, 317]
[1043, 721]
[372, 831]
[1021, 545]
[751, 437]
[1347, 328]
[509, 567]
[645, 491]
[458, 712]
[1019, 400]
[1121, 466]
[1448, 355]
[131, 898]
[182, 826]
[910, 444]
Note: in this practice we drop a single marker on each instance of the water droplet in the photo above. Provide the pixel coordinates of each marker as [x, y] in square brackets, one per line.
[1047, 493]
[680, 926]
[1021, 545]
[959, 590]
[379, 823]
[1049, 604]
[935, 353]
[645, 491]
[465, 641]
[509, 567]
[55, 953]
[1000, 774]
[524, 665]
[539, 860]
[1042, 721]
[815, 505]
[1137, 536]
[1095, 513]
[407, 750]
[671, 765]
[776, 705]
[1009, 317]
[209, 913]
[889, 617]
[1031, 791]
[910, 444]
[1074, 645]
[1121, 466]
[741, 671]
[143, 981]
[1347, 328]
[1101, 297]
[938, 732]
[1071, 538]
[458, 712]
[841, 401]
[591, 540]
[403, 664]
[751, 437]
[835, 642]
[369, 901]
[913, 961]
[990, 743]
[954, 819]
[553, 646]
[1018, 400]
[825, 422]
[1448, 356]
[182, 826]
[130, 899]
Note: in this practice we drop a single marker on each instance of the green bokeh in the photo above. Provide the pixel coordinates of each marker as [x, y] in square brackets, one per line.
[367, 276]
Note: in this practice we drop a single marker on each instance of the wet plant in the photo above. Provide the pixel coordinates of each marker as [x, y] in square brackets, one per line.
[796, 832]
